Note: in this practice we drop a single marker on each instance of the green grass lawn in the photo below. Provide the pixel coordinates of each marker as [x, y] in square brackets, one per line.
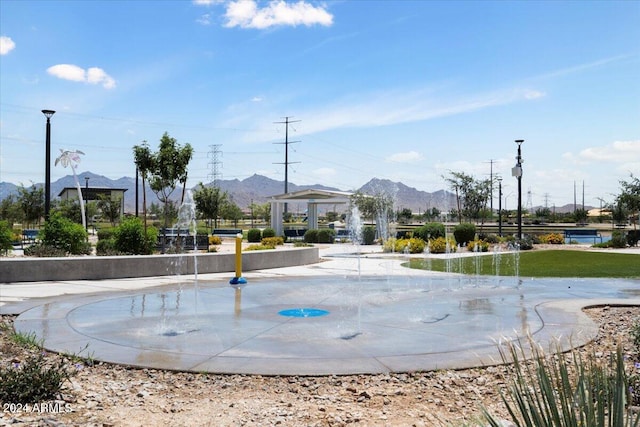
[547, 263]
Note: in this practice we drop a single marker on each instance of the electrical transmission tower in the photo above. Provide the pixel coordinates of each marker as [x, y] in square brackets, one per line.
[286, 162]
[529, 202]
[215, 164]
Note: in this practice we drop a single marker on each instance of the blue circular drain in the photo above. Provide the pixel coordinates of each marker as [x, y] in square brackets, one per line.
[303, 312]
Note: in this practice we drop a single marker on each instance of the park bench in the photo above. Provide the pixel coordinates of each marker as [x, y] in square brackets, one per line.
[170, 235]
[342, 235]
[29, 236]
[226, 232]
[295, 234]
[582, 233]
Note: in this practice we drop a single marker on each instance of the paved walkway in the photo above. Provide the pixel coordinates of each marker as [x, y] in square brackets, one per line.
[347, 314]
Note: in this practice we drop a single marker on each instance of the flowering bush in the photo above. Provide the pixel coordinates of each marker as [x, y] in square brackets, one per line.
[481, 245]
[439, 245]
[552, 239]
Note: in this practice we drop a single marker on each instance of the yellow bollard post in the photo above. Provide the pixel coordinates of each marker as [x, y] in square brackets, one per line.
[238, 280]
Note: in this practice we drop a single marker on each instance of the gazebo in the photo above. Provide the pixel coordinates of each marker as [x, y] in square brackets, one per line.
[312, 197]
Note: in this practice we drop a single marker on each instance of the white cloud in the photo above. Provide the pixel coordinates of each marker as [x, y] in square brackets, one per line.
[246, 14]
[74, 73]
[204, 19]
[617, 152]
[257, 99]
[206, 2]
[6, 45]
[406, 157]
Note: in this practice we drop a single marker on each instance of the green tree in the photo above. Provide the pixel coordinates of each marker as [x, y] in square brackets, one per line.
[32, 203]
[111, 208]
[144, 164]
[471, 194]
[405, 215]
[167, 168]
[69, 209]
[210, 202]
[232, 212]
[11, 210]
[629, 197]
[580, 215]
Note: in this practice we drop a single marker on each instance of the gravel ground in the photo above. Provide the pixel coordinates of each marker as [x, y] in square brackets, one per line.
[109, 395]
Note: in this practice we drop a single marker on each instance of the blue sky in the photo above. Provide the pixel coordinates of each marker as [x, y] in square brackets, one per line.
[399, 90]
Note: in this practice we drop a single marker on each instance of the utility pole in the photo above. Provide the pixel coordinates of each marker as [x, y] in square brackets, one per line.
[286, 163]
[491, 162]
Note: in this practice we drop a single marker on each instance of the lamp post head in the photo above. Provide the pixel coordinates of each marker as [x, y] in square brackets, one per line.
[48, 113]
[519, 141]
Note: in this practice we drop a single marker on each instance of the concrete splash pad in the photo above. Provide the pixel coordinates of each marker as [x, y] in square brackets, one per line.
[373, 325]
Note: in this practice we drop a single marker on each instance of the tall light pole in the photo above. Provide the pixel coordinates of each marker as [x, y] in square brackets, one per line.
[86, 203]
[517, 172]
[47, 168]
[500, 206]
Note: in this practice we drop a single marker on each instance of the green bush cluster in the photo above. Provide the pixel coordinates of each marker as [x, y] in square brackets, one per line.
[259, 247]
[254, 235]
[128, 238]
[368, 235]
[63, 234]
[268, 232]
[6, 237]
[326, 235]
[311, 236]
[430, 230]
[464, 233]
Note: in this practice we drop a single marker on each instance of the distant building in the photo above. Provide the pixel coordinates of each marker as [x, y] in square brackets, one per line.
[92, 193]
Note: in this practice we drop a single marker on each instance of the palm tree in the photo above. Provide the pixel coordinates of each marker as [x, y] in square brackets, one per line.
[71, 158]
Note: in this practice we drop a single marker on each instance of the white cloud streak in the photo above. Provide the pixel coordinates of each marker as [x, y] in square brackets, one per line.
[6, 45]
[93, 75]
[406, 157]
[247, 14]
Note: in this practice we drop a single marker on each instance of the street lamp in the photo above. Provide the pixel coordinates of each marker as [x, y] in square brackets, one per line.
[86, 204]
[47, 169]
[500, 206]
[517, 172]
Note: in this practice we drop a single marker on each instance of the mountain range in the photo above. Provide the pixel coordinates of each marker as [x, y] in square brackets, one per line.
[258, 189]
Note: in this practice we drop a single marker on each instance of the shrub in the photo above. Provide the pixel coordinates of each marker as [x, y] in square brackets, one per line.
[552, 239]
[491, 238]
[564, 390]
[129, 237]
[272, 241]
[439, 245]
[268, 232]
[6, 237]
[368, 235]
[431, 230]
[300, 244]
[464, 232]
[618, 239]
[106, 233]
[62, 233]
[254, 235]
[259, 247]
[326, 235]
[481, 245]
[34, 380]
[526, 243]
[311, 236]
[215, 240]
[393, 245]
[43, 251]
[106, 247]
